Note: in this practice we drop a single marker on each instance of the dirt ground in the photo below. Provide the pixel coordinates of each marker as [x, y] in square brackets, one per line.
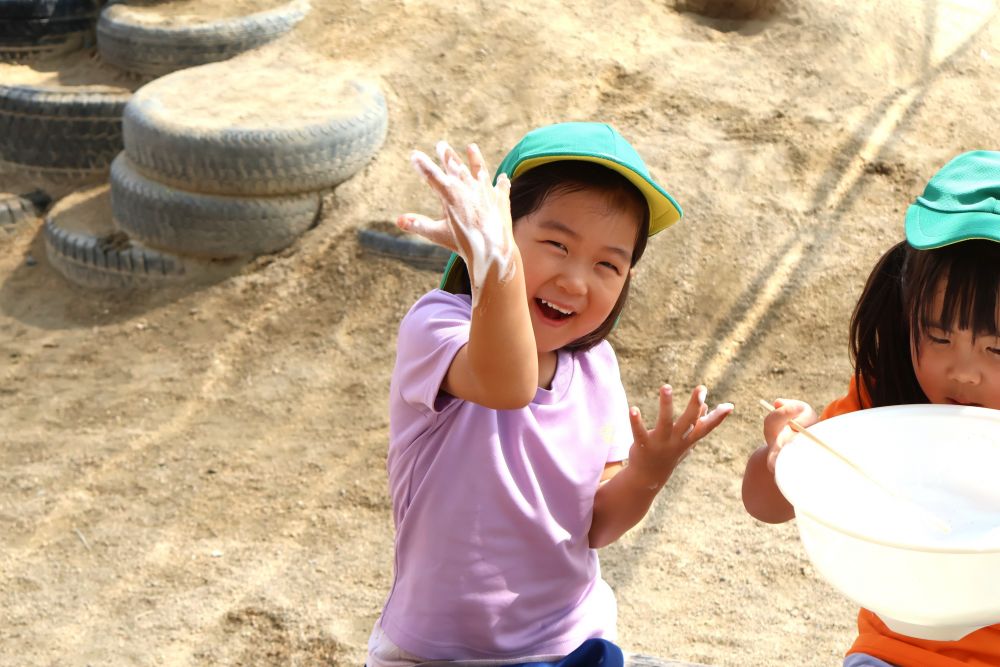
[196, 475]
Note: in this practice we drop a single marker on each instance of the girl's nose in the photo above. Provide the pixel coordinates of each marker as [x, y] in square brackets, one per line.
[571, 281]
[965, 370]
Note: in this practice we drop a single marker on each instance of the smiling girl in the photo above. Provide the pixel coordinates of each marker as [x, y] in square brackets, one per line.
[509, 426]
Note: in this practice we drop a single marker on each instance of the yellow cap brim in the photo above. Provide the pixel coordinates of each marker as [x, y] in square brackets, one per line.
[663, 210]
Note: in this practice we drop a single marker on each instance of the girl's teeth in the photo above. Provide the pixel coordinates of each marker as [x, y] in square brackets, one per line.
[555, 307]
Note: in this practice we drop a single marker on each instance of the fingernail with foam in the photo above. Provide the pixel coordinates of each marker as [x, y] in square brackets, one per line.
[419, 161]
[721, 407]
[447, 156]
[702, 394]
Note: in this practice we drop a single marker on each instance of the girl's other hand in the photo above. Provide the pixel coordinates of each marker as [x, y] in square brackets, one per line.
[777, 432]
[657, 452]
[476, 221]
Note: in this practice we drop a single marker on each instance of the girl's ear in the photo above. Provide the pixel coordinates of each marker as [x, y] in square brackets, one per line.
[631, 273]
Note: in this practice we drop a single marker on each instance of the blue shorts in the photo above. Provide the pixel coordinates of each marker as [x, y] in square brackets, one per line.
[864, 660]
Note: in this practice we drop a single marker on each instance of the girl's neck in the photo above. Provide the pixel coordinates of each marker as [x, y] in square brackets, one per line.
[547, 362]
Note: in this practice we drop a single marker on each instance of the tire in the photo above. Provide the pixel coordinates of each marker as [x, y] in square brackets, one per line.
[127, 38]
[29, 31]
[44, 48]
[29, 39]
[337, 129]
[14, 210]
[33, 29]
[408, 249]
[206, 226]
[58, 131]
[82, 244]
[41, 9]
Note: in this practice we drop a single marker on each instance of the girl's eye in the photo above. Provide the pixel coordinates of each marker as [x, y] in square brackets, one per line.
[611, 266]
[937, 340]
[994, 351]
[557, 245]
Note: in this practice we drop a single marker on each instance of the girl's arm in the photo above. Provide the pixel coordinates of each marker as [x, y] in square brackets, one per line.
[498, 368]
[622, 501]
[761, 496]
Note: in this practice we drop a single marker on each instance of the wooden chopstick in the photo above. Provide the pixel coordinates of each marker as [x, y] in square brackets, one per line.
[799, 428]
[938, 522]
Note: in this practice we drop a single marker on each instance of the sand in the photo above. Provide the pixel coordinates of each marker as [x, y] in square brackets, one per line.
[196, 475]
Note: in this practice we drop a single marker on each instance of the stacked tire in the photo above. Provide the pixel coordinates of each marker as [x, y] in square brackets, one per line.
[31, 29]
[141, 41]
[61, 133]
[196, 186]
[50, 130]
[229, 173]
[16, 209]
[82, 243]
[234, 172]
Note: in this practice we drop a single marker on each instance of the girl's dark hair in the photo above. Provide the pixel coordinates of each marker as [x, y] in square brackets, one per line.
[529, 191]
[896, 310]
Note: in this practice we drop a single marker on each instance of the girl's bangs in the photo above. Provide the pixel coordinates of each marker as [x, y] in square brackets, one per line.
[971, 299]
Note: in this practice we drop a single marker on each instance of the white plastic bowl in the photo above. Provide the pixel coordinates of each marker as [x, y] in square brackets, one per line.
[885, 550]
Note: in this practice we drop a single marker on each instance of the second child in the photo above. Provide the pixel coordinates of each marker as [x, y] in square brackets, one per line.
[926, 329]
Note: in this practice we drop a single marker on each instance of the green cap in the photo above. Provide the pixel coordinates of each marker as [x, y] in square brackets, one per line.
[961, 202]
[587, 142]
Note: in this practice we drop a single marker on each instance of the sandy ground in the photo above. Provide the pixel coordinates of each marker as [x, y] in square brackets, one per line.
[195, 476]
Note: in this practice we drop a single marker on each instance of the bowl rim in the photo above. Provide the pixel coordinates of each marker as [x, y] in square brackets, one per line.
[901, 544]
[992, 547]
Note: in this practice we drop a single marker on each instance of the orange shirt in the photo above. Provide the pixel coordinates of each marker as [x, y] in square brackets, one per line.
[980, 648]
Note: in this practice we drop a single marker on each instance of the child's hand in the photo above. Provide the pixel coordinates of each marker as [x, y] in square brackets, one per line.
[656, 453]
[777, 432]
[476, 222]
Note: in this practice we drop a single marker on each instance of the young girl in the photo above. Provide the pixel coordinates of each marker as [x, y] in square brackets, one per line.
[509, 427]
[925, 330]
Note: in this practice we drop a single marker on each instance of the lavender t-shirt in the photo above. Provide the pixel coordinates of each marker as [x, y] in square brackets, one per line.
[492, 507]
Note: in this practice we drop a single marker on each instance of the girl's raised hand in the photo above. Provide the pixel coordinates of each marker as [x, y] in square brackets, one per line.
[777, 432]
[655, 453]
[476, 221]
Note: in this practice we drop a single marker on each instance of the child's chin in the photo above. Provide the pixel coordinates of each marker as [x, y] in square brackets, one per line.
[550, 343]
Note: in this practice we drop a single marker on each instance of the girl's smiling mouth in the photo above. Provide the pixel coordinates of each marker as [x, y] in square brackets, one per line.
[553, 312]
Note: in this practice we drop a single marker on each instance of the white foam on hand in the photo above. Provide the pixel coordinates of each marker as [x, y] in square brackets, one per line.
[477, 214]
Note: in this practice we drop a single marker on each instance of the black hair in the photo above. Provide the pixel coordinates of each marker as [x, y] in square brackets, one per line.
[894, 311]
[529, 191]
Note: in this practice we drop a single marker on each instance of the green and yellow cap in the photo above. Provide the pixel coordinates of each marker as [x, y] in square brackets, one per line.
[588, 142]
[961, 202]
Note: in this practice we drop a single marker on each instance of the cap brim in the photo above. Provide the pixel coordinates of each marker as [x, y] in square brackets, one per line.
[663, 210]
[927, 229]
